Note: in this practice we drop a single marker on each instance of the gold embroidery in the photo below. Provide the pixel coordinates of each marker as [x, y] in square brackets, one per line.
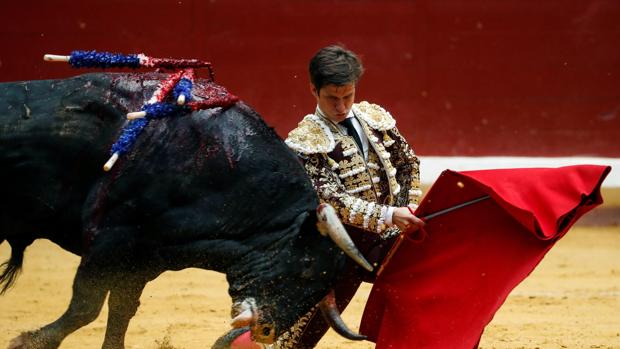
[368, 195]
[384, 157]
[311, 136]
[387, 141]
[359, 189]
[375, 116]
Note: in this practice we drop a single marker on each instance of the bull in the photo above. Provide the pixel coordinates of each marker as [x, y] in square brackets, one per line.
[214, 189]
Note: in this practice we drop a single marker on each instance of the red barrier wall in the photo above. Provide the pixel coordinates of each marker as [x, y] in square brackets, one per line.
[462, 77]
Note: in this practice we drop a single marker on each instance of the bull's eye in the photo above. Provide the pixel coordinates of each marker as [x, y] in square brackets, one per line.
[266, 331]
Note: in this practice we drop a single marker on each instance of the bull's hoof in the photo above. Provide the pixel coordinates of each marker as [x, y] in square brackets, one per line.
[29, 340]
[23, 341]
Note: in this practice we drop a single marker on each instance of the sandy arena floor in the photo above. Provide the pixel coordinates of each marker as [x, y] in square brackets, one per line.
[572, 300]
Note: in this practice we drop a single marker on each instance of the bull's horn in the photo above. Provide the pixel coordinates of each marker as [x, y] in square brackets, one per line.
[244, 313]
[332, 316]
[329, 224]
[243, 319]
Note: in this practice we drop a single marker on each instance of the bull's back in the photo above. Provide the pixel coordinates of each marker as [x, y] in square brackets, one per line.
[212, 170]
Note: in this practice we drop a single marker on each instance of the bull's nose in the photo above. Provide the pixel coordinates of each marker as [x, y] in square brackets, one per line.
[266, 331]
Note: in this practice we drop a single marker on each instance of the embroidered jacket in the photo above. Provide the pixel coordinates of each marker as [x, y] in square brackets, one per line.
[360, 190]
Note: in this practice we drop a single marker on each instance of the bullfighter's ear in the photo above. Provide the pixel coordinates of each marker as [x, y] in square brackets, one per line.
[314, 91]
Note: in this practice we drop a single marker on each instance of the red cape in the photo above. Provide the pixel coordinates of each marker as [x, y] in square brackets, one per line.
[440, 288]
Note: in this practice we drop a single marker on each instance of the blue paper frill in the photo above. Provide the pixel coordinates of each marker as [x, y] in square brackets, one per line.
[94, 59]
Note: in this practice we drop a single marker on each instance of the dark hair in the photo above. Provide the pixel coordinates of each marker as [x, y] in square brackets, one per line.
[334, 65]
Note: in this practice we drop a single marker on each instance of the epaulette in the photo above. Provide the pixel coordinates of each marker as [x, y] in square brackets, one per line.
[375, 116]
[311, 136]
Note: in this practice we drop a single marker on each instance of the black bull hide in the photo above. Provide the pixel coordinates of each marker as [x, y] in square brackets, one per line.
[214, 189]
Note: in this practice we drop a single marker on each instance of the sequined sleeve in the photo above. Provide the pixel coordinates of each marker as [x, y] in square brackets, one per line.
[407, 167]
[352, 210]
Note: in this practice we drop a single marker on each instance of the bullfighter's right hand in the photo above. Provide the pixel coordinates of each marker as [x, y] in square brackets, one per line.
[405, 220]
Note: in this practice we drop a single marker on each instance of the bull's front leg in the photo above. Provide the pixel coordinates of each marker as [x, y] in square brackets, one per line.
[86, 302]
[122, 304]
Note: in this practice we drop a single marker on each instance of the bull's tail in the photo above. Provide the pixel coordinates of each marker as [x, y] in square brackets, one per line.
[11, 268]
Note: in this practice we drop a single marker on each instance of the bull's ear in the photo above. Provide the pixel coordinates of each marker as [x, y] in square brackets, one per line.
[307, 223]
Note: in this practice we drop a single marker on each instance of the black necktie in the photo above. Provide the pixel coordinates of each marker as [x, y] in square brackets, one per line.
[351, 131]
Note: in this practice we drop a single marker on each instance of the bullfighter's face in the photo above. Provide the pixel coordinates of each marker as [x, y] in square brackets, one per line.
[335, 101]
